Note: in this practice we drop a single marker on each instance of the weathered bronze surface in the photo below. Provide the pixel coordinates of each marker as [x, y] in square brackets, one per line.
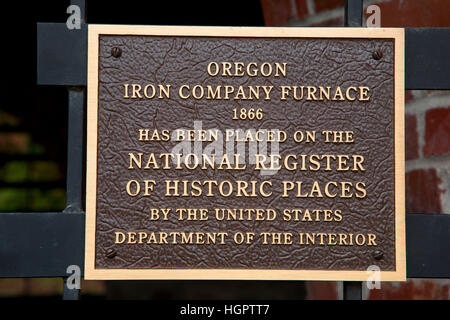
[315, 62]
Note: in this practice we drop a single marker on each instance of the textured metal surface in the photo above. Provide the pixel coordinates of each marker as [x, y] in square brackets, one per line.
[182, 60]
[353, 18]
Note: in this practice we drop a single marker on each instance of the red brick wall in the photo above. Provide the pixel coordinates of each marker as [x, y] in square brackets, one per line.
[427, 125]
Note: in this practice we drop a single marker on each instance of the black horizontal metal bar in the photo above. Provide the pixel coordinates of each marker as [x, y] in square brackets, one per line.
[62, 56]
[45, 244]
[427, 52]
[40, 244]
[428, 245]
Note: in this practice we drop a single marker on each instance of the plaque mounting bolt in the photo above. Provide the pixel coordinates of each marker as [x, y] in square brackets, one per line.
[378, 255]
[377, 55]
[116, 52]
[111, 253]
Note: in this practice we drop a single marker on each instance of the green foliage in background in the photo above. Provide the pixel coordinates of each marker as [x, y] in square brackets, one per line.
[20, 188]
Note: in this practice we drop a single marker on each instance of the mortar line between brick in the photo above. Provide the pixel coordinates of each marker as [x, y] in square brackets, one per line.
[444, 175]
[427, 103]
[311, 7]
[294, 9]
[436, 162]
[420, 119]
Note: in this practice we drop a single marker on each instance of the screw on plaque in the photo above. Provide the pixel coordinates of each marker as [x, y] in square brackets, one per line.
[111, 253]
[116, 52]
[378, 254]
[377, 55]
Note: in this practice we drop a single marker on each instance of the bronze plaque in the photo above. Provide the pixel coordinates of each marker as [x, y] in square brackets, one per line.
[245, 153]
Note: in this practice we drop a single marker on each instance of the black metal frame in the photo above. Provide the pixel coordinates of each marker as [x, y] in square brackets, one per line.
[45, 244]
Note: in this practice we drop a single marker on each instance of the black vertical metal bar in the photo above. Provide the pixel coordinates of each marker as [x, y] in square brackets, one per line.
[70, 294]
[74, 190]
[82, 5]
[353, 13]
[75, 137]
[74, 183]
[74, 193]
[353, 18]
[352, 290]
